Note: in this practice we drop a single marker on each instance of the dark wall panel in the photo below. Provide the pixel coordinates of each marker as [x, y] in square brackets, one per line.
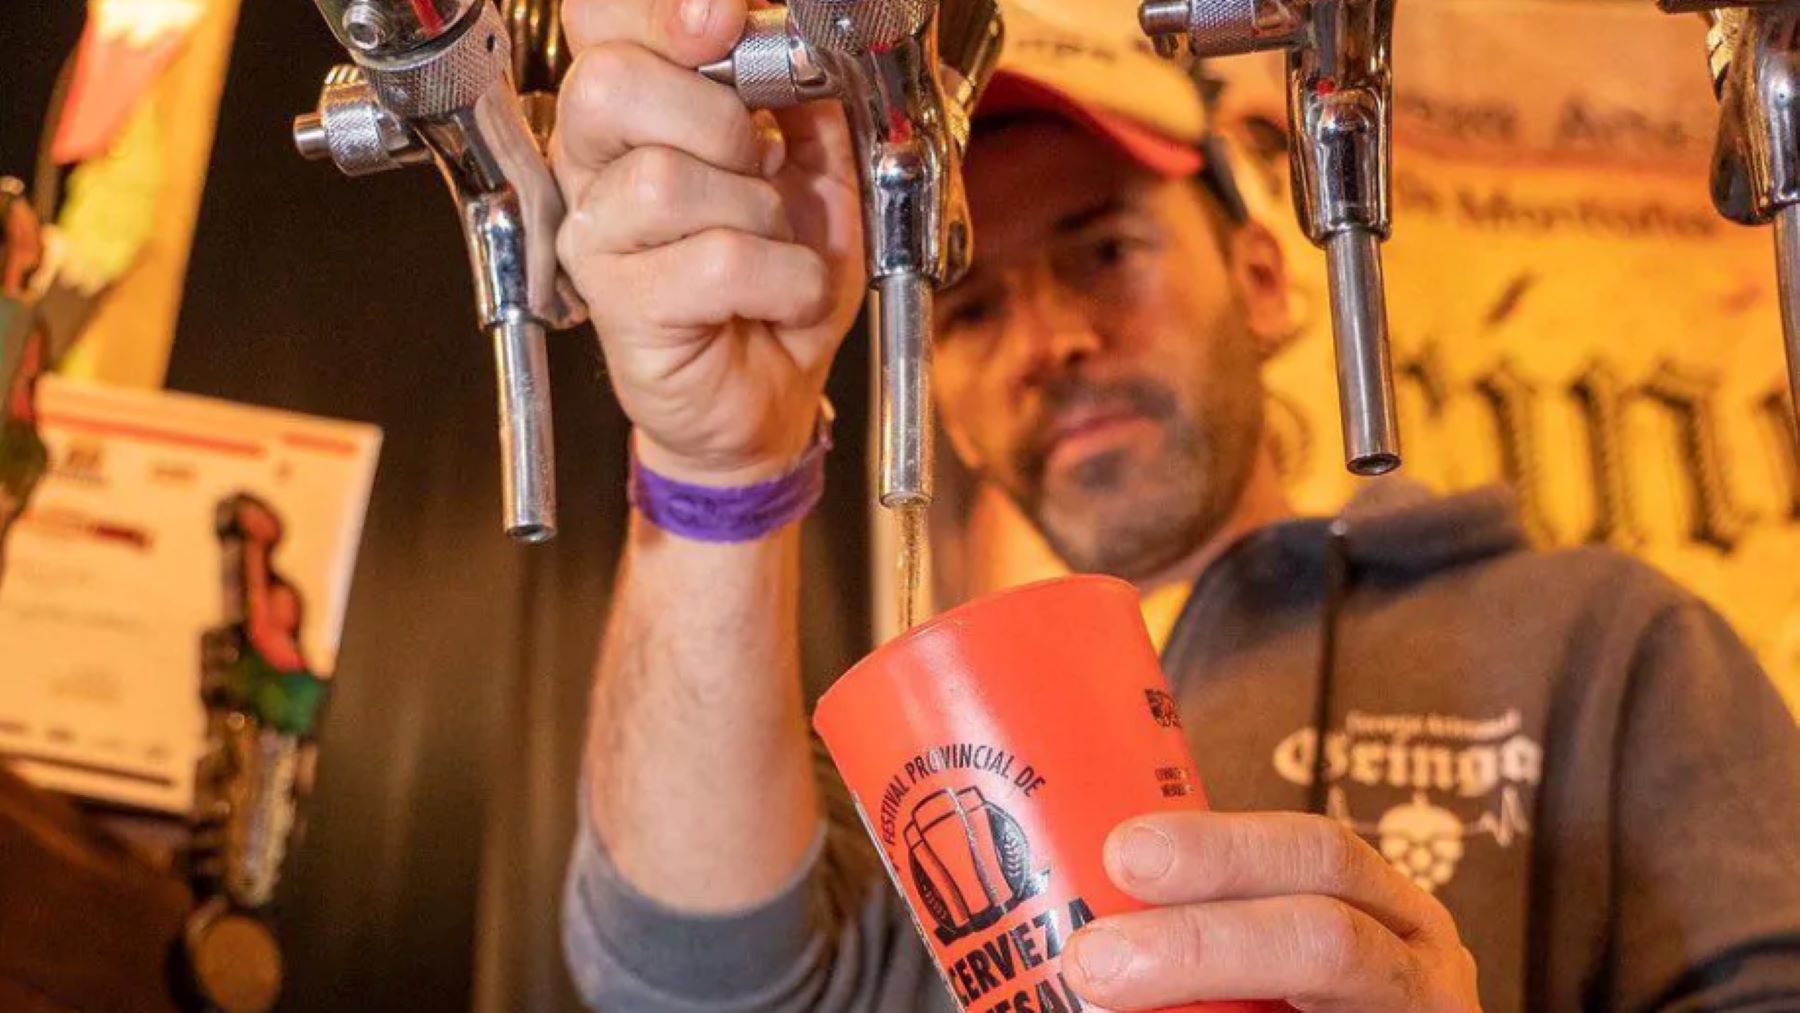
[35, 37]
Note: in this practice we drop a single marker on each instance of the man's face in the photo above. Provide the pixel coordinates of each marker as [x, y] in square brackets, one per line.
[1099, 363]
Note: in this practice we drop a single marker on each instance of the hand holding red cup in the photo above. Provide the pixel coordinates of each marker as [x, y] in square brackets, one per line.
[990, 752]
[1020, 765]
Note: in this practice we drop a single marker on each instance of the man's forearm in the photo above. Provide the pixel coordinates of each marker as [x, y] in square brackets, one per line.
[700, 780]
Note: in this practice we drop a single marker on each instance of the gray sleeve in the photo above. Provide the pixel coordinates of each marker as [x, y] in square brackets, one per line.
[835, 940]
[1707, 912]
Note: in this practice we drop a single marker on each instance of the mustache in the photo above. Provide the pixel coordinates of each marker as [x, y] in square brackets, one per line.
[1138, 395]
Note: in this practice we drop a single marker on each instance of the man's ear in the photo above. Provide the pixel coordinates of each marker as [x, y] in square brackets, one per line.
[1260, 272]
[952, 434]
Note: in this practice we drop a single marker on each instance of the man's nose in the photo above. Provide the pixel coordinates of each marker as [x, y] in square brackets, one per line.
[1049, 331]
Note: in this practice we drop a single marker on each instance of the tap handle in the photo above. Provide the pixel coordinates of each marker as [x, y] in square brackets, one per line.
[1339, 112]
[392, 30]
[855, 27]
[771, 66]
[1340, 95]
[434, 81]
[1215, 28]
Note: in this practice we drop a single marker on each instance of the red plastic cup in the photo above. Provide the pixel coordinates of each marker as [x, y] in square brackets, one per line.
[990, 751]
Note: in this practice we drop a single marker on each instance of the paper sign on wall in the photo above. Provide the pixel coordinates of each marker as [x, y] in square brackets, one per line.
[120, 568]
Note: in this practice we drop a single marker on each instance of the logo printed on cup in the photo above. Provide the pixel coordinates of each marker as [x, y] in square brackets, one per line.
[971, 866]
[970, 862]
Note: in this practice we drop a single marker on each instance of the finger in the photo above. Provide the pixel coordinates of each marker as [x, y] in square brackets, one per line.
[771, 139]
[1307, 950]
[621, 96]
[709, 279]
[689, 32]
[1189, 857]
[655, 196]
[817, 139]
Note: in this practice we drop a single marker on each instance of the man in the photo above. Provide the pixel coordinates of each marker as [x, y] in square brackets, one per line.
[1579, 781]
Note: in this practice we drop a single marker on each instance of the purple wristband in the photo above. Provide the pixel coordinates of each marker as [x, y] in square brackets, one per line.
[741, 514]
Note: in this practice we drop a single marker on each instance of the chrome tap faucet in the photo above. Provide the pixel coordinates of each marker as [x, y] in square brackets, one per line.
[1753, 52]
[909, 106]
[1340, 112]
[432, 80]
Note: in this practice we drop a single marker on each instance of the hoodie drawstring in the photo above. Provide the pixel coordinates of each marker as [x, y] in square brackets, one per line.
[1337, 588]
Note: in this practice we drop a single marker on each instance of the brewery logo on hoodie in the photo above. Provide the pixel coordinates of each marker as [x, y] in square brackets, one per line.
[1463, 782]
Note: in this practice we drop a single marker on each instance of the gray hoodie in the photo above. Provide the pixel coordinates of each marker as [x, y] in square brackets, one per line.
[1577, 756]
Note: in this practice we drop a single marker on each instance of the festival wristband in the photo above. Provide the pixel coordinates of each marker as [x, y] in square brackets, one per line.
[740, 514]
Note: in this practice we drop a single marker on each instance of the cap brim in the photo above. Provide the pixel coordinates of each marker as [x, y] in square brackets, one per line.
[1011, 94]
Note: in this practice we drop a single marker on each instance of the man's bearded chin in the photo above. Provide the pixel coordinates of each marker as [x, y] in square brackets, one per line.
[1130, 515]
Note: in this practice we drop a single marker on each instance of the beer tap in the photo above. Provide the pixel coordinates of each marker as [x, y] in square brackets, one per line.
[1753, 50]
[433, 81]
[909, 104]
[1340, 88]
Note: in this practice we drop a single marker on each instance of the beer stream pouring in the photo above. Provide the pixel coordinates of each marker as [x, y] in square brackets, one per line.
[434, 81]
[909, 100]
[1340, 99]
[1754, 53]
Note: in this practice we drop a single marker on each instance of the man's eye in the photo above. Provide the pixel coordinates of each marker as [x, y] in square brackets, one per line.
[1109, 252]
[971, 313]
[1114, 251]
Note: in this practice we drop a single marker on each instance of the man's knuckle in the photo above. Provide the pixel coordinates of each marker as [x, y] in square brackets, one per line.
[654, 177]
[1436, 921]
[581, 20]
[579, 255]
[1338, 857]
[654, 283]
[1410, 981]
[569, 248]
[1331, 938]
[1179, 948]
[574, 20]
[728, 258]
[813, 284]
[601, 78]
[740, 134]
[770, 208]
[568, 114]
[655, 304]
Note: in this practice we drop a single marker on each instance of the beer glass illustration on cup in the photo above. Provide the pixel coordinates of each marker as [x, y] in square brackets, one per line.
[970, 861]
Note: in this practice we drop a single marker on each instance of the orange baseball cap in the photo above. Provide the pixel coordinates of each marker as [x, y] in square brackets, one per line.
[1087, 61]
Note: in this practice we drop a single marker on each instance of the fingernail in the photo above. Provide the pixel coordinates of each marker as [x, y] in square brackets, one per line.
[1145, 853]
[694, 14]
[1102, 954]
